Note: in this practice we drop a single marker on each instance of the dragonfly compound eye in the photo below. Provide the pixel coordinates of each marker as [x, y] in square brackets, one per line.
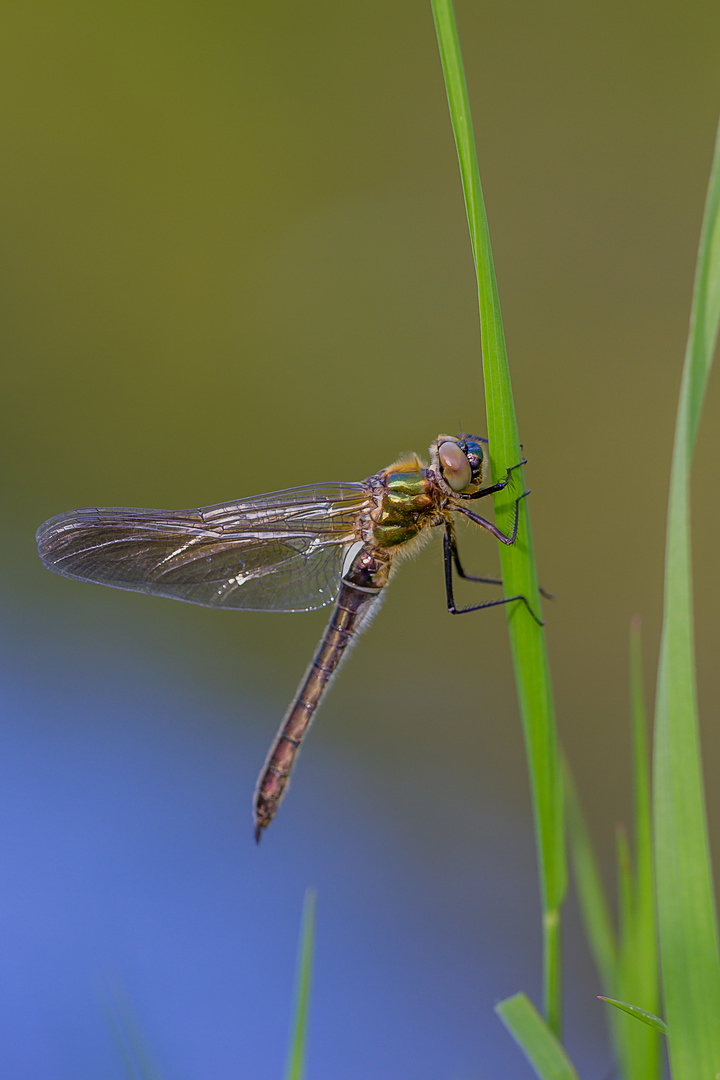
[456, 468]
[475, 455]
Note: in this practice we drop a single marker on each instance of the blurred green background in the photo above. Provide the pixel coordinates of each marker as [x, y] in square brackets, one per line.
[235, 259]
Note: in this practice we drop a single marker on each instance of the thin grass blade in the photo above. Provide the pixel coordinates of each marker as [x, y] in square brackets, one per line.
[594, 902]
[518, 564]
[645, 963]
[295, 1069]
[639, 1014]
[133, 1048]
[686, 904]
[534, 1037]
[625, 883]
[638, 976]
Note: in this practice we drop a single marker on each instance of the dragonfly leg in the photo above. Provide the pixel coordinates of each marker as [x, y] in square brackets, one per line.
[495, 487]
[450, 557]
[500, 536]
[451, 541]
[509, 540]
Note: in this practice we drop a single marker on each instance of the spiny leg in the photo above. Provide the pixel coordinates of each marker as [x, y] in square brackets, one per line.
[450, 539]
[451, 555]
[471, 577]
[453, 608]
[495, 487]
[509, 540]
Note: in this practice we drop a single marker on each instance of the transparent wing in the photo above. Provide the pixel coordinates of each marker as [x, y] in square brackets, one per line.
[278, 552]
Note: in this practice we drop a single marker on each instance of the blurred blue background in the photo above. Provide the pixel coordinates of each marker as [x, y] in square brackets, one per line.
[235, 259]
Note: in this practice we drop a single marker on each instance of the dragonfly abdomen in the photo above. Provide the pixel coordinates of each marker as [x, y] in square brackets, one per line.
[359, 593]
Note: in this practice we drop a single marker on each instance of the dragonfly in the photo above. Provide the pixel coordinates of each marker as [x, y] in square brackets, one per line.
[295, 550]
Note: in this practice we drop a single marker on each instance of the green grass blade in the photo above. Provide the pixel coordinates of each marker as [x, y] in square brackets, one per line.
[594, 903]
[646, 968]
[627, 967]
[640, 1014]
[295, 1069]
[625, 884]
[638, 977]
[644, 884]
[685, 899]
[535, 1039]
[518, 564]
[132, 1045]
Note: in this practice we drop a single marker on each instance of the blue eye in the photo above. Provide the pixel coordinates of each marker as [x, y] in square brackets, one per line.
[473, 450]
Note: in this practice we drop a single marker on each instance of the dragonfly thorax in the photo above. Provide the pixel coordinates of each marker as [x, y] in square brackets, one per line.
[406, 500]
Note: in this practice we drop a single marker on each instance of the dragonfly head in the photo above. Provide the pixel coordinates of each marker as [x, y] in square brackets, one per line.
[459, 463]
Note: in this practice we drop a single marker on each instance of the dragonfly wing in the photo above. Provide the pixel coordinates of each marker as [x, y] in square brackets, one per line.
[278, 552]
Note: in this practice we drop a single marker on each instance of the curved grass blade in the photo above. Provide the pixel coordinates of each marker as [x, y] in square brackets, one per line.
[295, 1068]
[518, 564]
[648, 1018]
[131, 1043]
[594, 903]
[535, 1039]
[638, 976]
[627, 963]
[685, 898]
